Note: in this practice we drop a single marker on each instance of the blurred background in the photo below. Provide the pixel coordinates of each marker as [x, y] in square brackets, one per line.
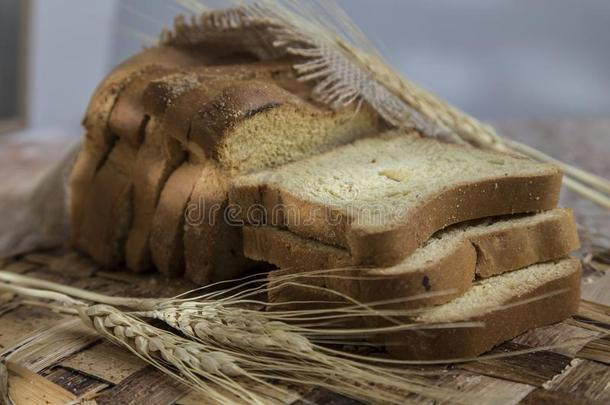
[498, 60]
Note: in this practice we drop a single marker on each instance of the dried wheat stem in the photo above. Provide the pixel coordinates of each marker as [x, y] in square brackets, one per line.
[39, 294]
[579, 174]
[587, 192]
[140, 303]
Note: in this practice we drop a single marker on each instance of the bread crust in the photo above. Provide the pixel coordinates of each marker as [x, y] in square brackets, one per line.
[480, 252]
[212, 246]
[166, 238]
[102, 227]
[500, 325]
[386, 246]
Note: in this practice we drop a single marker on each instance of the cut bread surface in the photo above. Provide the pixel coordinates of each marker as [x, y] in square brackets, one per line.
[437, 272]
[382, 197]
[506, 305]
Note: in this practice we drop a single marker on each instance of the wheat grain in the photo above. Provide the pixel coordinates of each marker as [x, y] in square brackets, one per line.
[235, 327]
[148, 341]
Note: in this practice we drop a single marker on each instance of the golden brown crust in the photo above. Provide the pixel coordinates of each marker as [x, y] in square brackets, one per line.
[560, 300]
[236, 102]
[160, 93]
[166, 238]
[486, 253]
[128, 115]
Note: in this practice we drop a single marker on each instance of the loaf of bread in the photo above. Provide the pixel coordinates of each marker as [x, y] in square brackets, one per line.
[161, 122]
[383, 197]
[439, 271]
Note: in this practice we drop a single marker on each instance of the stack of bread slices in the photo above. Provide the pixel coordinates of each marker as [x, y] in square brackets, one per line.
[456, 234]
[207, 163]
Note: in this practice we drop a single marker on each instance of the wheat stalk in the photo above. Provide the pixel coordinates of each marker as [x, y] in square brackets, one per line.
[226, 344]
[234, 327]
[212, 360]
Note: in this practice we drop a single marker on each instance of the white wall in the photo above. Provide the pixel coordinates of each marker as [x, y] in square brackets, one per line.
[71, 42]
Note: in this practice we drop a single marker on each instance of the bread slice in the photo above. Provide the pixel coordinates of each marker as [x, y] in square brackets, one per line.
[383, 197]
[213, 247]
[437, 272]
[166, 238]
[506, 305]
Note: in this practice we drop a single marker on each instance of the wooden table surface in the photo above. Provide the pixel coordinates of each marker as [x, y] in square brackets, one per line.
[66, 362]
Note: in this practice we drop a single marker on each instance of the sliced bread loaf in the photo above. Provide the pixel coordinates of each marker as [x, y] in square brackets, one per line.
[383, 197]
[506, 305]
[435, 273]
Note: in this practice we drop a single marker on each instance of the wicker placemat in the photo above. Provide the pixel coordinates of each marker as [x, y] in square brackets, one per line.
[60, 361]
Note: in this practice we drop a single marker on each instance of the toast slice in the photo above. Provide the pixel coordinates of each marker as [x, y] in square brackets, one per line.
[383, 197]
[506, 305]
[441, 270]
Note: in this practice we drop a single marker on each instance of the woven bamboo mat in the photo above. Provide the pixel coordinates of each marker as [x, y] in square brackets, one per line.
[61, 361]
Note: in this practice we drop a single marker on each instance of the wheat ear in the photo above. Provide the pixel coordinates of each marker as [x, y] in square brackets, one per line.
[152, 343]
[198, 365]
[234, 327]
[210, 370]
